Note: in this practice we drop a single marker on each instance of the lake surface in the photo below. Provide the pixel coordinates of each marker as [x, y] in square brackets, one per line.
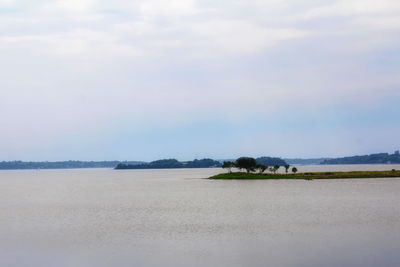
[101, 217]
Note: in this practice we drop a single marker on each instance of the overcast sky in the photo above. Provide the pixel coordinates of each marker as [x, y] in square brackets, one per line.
[150, 79]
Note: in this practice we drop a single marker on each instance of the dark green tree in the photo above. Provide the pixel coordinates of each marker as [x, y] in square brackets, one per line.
[276, 168]
[287, 166]
[261, 168]
[249, 164]
[228, 165]
[294, 169]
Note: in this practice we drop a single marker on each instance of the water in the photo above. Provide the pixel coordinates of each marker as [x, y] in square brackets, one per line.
[174, 218]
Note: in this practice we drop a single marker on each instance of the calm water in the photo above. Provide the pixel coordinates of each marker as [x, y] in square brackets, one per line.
[173, 218]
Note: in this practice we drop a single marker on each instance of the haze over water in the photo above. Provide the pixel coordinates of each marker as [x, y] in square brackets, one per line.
[102, 217]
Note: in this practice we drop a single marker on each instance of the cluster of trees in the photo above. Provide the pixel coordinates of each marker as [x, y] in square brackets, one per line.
[201, 163]
[270, 161]
[313, 161]
[172, 164]
[252, 165]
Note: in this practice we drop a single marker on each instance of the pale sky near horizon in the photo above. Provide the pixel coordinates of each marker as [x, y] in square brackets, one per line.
[150, 79]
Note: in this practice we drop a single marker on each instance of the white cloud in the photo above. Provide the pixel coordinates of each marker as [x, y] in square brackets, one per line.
[167, 7]
[81, 43]
[6, 3]
[78, 66]
[74, 5]
[84, 42]
[355, 8]
[379, 23]
[242, 36]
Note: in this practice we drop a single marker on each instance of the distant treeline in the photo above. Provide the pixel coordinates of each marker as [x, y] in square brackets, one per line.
[171, 164]
[314, 161]
[269, 161]
[381, 158]
[71, 164]
[202, 163]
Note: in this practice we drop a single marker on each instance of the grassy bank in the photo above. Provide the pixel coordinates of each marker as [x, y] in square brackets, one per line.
[309, 175]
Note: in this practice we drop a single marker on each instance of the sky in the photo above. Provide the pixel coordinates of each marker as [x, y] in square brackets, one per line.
[185, 79]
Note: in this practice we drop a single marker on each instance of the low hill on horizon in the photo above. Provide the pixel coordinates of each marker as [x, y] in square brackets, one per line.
[379, 158]
[305, 161]
[70, 164]
[171, 164]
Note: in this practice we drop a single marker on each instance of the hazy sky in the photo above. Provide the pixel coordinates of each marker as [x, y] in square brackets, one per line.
[149, 79]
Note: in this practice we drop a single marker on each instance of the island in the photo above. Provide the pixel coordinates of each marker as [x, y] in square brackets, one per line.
[309, 175]
[255, 170]
[197, 163]
[171, 164]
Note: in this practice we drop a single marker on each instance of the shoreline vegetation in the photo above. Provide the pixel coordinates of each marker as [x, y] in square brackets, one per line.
[202, 163]
[171, 164]
[255, 170]
[69, 164]
[379, 158]
[307, 175]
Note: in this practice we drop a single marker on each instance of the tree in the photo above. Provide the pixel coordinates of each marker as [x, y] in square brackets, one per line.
[287, 166]
[294, 170]
[228, 165]
[268, 161]
[261, 168]
[276, 168]
[249, 164]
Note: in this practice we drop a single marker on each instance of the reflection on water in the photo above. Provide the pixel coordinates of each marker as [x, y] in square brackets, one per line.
[171, 218]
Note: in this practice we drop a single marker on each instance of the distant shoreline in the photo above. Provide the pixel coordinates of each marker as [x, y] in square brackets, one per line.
[55, 165]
